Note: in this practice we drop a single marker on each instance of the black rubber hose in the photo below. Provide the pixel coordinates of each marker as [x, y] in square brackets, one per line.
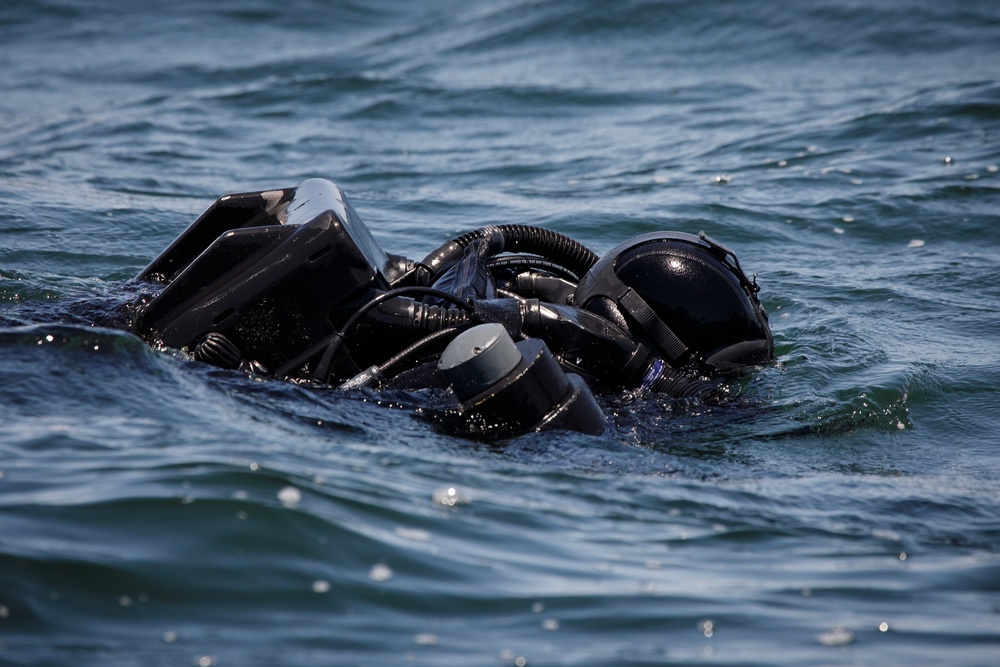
[531, 263]
[404, 291]
[436, 317]
[374, 376]
[572, 255]
[219, 351]
[678, 385]
[408, 315]
[430, 344]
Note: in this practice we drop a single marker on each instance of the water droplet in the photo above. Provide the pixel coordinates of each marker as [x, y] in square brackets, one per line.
[449, 497]
[321, 586]
[241, 515]
[883, 627]
[4, 612]
[915, 243]
[204, 661]
[836, 637]
[380, 572]
[125, 601]
[847, 218]
[169, 636]
[992, 168]
[415, 534]
[550, 624]
[289, 496]
[537, 608]
[425, 639]
[902, 556]
[723, 179]
[886, 534]
[707, 627]
[838, 230]
[782, 163]
[948, 160]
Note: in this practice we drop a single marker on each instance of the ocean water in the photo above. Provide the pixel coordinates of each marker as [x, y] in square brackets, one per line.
[844, 511]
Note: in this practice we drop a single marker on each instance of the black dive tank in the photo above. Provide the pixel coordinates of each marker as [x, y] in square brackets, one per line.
[685, 294]
[499, 388]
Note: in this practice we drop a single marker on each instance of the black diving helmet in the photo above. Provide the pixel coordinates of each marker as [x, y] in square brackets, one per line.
[686, 295]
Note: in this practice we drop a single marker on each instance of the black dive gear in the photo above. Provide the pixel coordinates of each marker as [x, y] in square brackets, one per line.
[513, 323]
[562, 250]
[685, 294]
[499, 388]
[272, 272]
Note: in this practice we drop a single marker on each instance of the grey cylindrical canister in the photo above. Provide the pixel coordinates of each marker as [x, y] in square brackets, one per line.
[478, 358]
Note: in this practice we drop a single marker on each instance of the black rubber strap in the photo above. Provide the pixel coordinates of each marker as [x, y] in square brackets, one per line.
[657, 329]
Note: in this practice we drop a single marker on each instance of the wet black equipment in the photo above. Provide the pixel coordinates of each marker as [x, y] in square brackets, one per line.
[501, 388]
[686, 295]
[515, 326]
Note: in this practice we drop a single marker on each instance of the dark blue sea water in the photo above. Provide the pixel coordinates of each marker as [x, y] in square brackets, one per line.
[844, 511]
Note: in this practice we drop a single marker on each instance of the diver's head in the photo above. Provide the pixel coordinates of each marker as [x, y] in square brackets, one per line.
[685, 295]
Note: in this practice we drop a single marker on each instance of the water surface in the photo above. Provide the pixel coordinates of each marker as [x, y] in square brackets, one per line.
[844, 511]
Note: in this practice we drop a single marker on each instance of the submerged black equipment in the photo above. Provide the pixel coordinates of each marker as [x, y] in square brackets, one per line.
[291, 284]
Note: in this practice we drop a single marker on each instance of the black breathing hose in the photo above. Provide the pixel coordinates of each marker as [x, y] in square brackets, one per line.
[419, 318]
[559, 248]
[676, 384]
[532, 263]
[404, 291]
